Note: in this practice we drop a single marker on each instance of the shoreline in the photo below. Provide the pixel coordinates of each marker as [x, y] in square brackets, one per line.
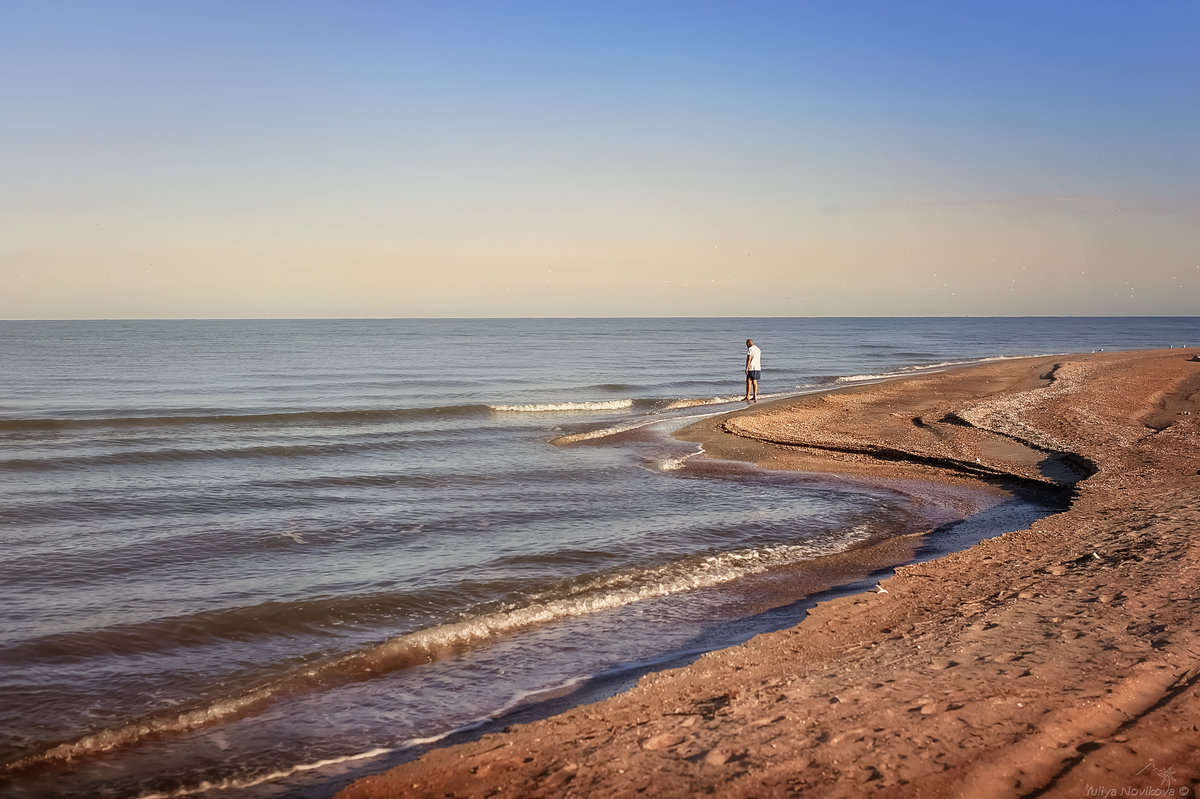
[1047, 660]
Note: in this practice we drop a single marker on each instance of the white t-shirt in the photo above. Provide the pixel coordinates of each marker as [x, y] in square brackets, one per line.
[755, 358]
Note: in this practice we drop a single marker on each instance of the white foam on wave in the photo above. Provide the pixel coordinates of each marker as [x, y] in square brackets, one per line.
[441, 736]
[603, 432]
[106, 740]
[699, 401]
[517, 700]
[525, 697]
[241, 783]
[675, 464]
[864, 378]
[561, 407]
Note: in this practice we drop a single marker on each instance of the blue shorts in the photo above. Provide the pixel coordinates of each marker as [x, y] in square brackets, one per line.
[755, 375]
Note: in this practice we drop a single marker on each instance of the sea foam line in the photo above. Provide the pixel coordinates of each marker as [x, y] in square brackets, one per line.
[700, 401]
[605, 432]
[559, 407]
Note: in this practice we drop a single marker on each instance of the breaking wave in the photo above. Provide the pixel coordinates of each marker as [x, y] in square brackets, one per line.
[603, 432]
[559, 407]
[677, 463]
[700, 401]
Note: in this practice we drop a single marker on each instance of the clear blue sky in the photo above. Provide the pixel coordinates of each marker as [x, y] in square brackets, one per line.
[508, 158]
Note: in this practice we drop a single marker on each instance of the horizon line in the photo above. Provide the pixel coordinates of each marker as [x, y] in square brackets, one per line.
[595, 317]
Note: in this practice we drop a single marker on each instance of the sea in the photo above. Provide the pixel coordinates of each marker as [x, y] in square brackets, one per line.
[261, 558]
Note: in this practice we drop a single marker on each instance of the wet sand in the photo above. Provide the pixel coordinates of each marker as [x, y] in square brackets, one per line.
[1059, 660]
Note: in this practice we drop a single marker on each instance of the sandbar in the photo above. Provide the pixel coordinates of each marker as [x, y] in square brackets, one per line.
[1058, 660]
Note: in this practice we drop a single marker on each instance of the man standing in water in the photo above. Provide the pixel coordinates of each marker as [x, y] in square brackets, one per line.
[753, 369]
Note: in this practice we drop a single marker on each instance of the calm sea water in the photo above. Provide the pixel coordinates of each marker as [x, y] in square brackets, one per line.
[257, 558]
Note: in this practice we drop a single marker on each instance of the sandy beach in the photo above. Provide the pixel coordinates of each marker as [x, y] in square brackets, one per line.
[1058, 660]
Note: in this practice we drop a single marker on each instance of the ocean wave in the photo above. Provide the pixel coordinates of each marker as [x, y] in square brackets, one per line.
[571, 598]
[603, 432]
[696, 402]
[224, 418]
[866, 377]
[526, 697]
[242, 783]
[700, 401]
[675, 464]
[618, 429]
[300, 618]
[559, 407]
[182, 455]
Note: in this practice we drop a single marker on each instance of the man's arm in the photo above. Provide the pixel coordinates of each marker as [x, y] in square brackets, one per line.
[748, 357]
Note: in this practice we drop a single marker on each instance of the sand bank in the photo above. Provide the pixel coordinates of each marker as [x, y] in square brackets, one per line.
[1058, 660]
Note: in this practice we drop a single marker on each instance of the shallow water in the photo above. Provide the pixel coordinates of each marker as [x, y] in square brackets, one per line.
[233, 550]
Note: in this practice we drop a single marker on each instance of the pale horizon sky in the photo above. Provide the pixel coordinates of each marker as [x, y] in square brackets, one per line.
[458, 159]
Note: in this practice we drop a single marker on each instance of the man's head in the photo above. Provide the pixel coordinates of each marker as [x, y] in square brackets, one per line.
[749, 342]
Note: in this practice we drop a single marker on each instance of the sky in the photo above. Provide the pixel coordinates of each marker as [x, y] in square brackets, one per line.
[598, 158]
